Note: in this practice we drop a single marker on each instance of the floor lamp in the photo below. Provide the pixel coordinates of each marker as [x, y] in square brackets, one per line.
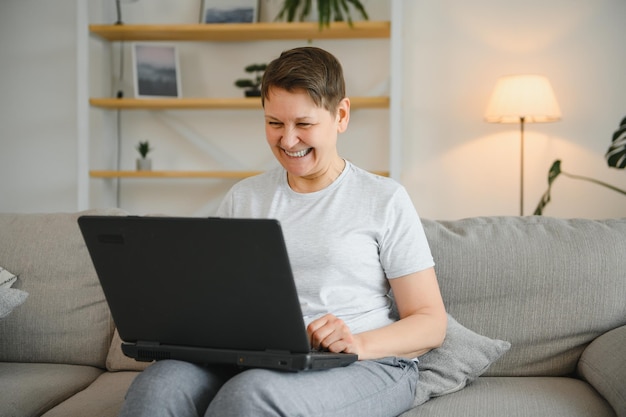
[522, 99]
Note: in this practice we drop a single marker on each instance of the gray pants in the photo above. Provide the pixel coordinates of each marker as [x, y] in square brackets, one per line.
[384, 387]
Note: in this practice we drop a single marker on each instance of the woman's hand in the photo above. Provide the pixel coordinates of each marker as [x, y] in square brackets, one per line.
[332, 334]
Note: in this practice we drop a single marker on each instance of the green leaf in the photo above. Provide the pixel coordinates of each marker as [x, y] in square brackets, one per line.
[323, 10]
[616, 155]
[143, 148]
[256, 68]
[337, 9]
[554, 172]
[244, 83]
[328, 10]
[357, 5]
[289, 10]
[306, 10]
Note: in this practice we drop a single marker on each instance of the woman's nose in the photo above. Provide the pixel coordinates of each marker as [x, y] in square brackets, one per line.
[289, 138]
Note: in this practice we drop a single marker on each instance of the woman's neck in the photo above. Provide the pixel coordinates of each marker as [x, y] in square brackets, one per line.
[319, 182]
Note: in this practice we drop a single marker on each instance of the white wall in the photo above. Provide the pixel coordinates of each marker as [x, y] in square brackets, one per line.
[38, 140]
[454, 165]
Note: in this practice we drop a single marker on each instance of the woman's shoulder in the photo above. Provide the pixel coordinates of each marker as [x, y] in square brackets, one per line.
[373, 182]
[271, 177]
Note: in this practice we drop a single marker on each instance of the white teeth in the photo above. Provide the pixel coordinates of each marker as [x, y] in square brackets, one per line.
[298, 154]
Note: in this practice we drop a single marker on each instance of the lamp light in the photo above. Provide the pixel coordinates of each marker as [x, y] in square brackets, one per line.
[522, 99]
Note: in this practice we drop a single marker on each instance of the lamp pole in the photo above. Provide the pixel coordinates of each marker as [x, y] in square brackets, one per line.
[522, 119]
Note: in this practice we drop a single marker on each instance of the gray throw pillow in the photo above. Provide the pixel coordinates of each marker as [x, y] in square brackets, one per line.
[463, 357]
[9, 297]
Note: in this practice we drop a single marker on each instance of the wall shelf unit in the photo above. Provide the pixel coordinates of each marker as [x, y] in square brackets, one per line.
[231, 32]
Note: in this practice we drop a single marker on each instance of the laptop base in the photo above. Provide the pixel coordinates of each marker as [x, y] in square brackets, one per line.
[284, 361]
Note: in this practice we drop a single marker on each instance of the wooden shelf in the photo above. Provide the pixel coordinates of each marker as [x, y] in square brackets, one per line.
[212, 103]
[184, 174]
[242, 31]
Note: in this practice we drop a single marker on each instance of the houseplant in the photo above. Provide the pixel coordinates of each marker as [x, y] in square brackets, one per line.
[252, 85]
[327, 11]
[615, 157]
[144, 163]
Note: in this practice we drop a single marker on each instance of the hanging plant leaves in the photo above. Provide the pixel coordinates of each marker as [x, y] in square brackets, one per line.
[338, 12]
[616, 155]
[357, 5]
[327, 10]
[288, 12]
[324, 10]
[306, 10]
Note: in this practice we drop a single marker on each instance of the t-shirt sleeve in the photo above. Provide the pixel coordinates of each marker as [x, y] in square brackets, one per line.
[404, 248]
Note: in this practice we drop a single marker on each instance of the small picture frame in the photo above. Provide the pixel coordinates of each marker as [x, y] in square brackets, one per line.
[229, 11]
[156, 73]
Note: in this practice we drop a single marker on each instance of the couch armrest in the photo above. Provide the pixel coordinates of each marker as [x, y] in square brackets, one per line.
[603, 365]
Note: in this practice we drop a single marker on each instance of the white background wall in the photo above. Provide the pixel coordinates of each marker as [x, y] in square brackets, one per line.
[38, 139]
[454, 164]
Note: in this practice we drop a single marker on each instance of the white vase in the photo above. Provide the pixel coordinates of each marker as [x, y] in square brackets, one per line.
[144, 164]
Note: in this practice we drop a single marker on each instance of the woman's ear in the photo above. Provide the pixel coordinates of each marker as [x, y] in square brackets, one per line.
[343, 115]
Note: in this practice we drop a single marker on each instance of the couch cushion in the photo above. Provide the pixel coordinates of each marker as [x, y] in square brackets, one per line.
[603, 365]
[9, 297]
[29, 389]
[103, 398]
[65, 319]
[518, 397]
[463, 357]
[549, 286]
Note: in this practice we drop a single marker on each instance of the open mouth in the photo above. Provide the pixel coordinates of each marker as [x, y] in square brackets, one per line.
[299, 154]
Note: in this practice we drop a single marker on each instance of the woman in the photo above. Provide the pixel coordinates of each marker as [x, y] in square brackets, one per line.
[352, 237]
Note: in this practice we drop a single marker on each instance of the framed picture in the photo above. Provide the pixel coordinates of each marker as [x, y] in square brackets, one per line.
[156, 71]
[229, 11]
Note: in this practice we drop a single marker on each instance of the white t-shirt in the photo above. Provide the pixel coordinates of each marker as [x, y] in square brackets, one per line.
[343, 242]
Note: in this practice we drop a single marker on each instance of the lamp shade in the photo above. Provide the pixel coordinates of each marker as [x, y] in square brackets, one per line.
[522, 96]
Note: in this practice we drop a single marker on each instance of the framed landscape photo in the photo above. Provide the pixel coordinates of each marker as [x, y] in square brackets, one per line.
[229, 11]
[156, 71]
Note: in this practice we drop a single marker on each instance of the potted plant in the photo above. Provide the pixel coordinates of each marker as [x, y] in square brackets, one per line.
[144, 163]
[252, 85]
[327, 11]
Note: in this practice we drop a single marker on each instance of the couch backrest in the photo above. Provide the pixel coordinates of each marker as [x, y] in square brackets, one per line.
[549, 286]
[65, 318]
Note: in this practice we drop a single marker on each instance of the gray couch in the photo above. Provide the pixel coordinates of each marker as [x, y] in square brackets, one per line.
[554, 289]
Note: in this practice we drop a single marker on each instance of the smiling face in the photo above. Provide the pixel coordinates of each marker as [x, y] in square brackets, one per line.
[303, 137]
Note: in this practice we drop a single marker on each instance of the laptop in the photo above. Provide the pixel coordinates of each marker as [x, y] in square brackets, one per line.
[203, 290]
